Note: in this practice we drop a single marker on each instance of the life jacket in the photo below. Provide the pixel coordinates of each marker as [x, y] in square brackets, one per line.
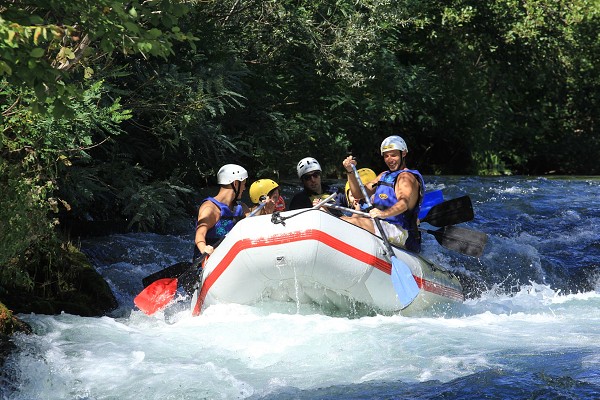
[385, 197]
[223, 226]
[364, 206]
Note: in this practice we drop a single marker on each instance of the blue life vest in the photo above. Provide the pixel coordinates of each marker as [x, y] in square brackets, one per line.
[223, 226]
[385, 197]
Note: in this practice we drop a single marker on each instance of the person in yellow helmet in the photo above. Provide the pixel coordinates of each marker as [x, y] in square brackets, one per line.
[266, 190]
[366, 175]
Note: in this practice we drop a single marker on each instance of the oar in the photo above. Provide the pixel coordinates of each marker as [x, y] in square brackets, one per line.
[161, 286]
[450, 212]
[430, 199]
[462, 240]
[161, 291]
[465, 241]
[403, 280]
[156, 296]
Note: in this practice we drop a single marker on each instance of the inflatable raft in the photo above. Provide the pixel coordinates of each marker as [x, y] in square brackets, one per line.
[315, 257]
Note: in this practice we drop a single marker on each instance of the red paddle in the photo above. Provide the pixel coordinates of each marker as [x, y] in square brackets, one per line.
[156, 296]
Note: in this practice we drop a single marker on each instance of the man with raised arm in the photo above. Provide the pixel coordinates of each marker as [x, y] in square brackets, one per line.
[396, 196]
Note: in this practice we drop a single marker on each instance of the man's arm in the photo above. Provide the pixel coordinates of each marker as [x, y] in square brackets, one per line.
[208, 216]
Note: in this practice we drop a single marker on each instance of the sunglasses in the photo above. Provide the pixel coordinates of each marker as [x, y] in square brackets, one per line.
[308, 177]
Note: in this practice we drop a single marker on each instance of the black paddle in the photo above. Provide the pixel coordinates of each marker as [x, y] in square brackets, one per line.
[170, 272]
[465, 241]
[450, 212]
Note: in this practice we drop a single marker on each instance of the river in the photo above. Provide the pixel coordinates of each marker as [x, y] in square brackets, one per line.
[529, 328]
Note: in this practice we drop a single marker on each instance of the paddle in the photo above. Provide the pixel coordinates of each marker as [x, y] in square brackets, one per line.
[169, 272]
[465, 241]
[430, 199]
[450, 212]
[403, 280]
[462, 240]
[156, 296]
[161, 286]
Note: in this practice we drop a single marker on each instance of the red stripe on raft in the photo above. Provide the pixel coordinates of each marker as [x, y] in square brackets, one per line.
[439, 289]
[312, 234]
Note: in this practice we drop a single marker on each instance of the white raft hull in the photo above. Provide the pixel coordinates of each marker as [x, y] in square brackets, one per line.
[315, 258]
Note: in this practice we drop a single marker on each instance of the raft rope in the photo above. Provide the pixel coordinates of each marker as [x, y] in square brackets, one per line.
[276, 217]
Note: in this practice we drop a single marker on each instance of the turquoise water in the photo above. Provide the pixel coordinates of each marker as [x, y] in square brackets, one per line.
[530, 327]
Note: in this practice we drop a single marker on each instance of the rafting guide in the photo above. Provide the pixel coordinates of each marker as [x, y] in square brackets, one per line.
[397, 195]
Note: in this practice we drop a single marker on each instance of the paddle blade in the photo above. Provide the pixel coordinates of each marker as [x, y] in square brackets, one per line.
[429, 200]
[156, 296]
[465, 241]
[191, 278]
[450, 212]
[404, 282]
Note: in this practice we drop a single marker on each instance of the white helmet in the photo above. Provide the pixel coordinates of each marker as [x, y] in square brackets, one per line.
[307, 165]
[393, 143]
[231, 173]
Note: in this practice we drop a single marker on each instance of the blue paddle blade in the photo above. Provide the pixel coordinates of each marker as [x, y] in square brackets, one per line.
[429, 200]
[404, 282]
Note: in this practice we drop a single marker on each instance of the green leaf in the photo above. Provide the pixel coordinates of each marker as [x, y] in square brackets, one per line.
[5, 68]
[37, 52]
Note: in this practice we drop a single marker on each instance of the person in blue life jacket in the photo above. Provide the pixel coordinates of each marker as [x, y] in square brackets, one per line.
[397, 195]
[266, 190]
[217, 215]
[309, 171]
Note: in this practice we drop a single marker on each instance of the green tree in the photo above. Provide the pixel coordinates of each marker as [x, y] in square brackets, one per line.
[55, 108]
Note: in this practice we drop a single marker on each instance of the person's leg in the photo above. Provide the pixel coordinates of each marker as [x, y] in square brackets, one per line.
[395, 234]
[365, 223]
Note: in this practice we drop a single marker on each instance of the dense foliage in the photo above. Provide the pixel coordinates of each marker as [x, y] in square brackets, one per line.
[121, 111]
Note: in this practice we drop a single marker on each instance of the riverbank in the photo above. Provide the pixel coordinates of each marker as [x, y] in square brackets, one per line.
[75, 287]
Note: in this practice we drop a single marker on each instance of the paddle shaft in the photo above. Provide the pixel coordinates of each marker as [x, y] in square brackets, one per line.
[368, 201]
[260, 207]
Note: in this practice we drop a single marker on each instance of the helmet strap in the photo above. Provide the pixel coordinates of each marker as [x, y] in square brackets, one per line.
[236, 191]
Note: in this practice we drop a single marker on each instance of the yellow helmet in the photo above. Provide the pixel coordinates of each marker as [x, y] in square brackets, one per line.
[260, 188]
[366, 175]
